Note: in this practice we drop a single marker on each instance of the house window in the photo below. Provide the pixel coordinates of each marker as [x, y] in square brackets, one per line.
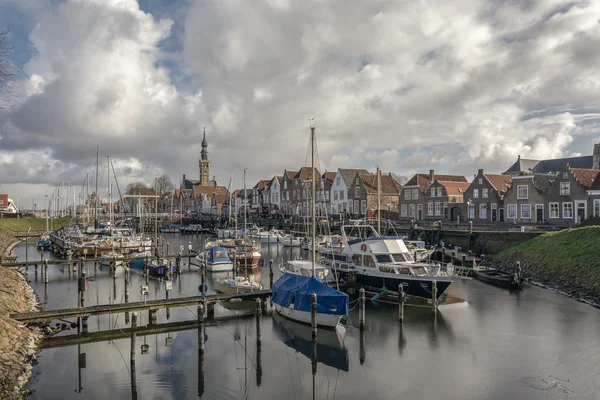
[439, 190]
[438, 209]
[525, 211]
[285, 185]
[596, 207]
[432, 192]
[475, 193]
[356, 206]
[567, 210]
[327, 196]
[565, 188]
[484, 193]
[471, 211]
[287, 196]
[406, 194]
[357, 180]
[565, 175]
[411, 210]
[357, 191]
[341, 195]
[335, 196]
[403, 211]
[429, 208]
[415, 194]
[480, 180]
[337, 181]
[522, 192]
[363, 206]
[483, 211]
[511, 211]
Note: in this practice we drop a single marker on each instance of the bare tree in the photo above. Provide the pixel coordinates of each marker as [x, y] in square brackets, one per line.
[138, 188]
[8, 73]
[165, 189]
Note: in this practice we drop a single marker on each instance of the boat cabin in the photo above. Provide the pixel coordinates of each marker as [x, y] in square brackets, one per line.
[304, 268]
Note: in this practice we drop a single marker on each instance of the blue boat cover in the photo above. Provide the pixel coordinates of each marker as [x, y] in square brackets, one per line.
[218, 255]
[298, 289]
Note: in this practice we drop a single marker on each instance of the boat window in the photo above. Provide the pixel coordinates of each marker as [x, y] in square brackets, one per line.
[403, 271]
[419, 271]
[402, 257]
[369, 262]
[383, 258]
[320, 275]
[220, 255]
[357, 258]
[389, 270]
[305, 273]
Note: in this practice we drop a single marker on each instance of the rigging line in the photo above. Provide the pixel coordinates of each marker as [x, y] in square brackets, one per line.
[123, 358]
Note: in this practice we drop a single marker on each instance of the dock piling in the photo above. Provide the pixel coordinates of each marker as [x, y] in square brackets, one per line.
[132, 357]
[210, 311]
[434, 301]
[313, 317]
[178, 264]
[258, 342]
[362, 308]
[271, 273]
[45, 271]
[401, 298]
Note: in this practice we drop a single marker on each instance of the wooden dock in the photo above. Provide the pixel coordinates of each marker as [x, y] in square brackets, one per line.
[151, 305]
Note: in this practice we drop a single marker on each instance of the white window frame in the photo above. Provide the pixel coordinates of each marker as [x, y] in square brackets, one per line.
[519, 196]
[475, 193]
[356, 191]
[406, 194]
[509, 208]
[411, 210]
[438, 209]
[433, 192]
[356, 205]
[482, 210]
[471, 211]
[363, 206]
[430, 208]
[403, 210]
[415, 194]
[565, 188]
[484, 193]
[550, 209]
[596, 207]
[357, 181]
[565, 203]
[342, 195]
[285, 185]
[523, 208]
[480, 180]
[439, 192]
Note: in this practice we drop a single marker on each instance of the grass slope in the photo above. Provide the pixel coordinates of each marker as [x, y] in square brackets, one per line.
[569, 259]
[8, 226]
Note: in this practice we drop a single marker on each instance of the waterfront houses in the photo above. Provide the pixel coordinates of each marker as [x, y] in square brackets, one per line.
[444, 199]
[286, 192]
[484, 198]
[413, 201]
[258, 195]
[340, 189]
[272, 192]
[524, 196]
[302, 191]
[363, 193]
[242, 197]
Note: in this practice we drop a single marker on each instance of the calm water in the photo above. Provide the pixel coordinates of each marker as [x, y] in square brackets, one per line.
[530, 345]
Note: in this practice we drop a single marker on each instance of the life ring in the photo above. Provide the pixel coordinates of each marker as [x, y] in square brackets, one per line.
[363, 247]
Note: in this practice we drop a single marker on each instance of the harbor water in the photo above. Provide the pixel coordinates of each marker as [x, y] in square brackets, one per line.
[533, 344]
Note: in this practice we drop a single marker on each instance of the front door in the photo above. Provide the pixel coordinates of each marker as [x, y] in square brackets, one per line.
[502, 215]
[580, 215]
[420, 214]
[539, 213]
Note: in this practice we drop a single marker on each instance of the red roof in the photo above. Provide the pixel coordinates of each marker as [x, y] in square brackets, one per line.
[261, 184]
[330, 176]
[304, 174]
[290, 174]
[500, 182]
[388, 184]
[455, 188]
[220, 192]
[423, 180]
[585, 176]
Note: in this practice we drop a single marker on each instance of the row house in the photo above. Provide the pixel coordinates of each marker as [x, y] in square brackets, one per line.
[210, 199]
[363, 193]
[286, 192]
[340, 189]
[594, 197]
[272, 193]
[302, 191]
[242, 198]
[525, 195]
[414, 193]
[258, 195]
[444, 200]
[484, 198]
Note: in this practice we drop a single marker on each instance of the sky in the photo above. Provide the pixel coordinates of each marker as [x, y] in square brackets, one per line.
[405, 85]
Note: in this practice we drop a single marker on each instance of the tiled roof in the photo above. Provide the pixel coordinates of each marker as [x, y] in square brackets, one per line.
[423, 180]
[329, 176]
[290, 174]
[304, 174]
[220, 192]
[348, 174]
[455, 188]
[500, 182]
[389, 186]
[261, 184]
[240, 193]
[585, 176]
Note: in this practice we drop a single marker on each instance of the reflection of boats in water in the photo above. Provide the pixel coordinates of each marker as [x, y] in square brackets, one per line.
[239, 305]
[330, 344]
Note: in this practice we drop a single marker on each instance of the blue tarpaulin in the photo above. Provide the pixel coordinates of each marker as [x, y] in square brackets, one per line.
[218, 255]
[298, 290]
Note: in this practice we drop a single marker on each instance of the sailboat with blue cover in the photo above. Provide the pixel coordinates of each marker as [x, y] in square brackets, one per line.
[292, 294]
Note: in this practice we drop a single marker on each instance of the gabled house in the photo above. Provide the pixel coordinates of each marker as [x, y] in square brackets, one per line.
[286, 201]
[553, 166]
[594, 197]
[7, 206]
[340, 188]
[484, 197]
[302, 191]
[258, 195]
[566, 202]
[523, 197]
[211, 198]
[363, 190]
[444, 200]
[272, 193]
[242, 197]
[412, 196]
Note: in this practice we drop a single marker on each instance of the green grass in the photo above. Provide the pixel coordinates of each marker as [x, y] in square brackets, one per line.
[36, 224]
[569, 259]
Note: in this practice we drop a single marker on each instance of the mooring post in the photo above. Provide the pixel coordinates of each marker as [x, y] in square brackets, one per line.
[313, 317]
[434, 301]
[167, 248]
[95, 251]
[361, 311]
[361, 347]
[271, 273]
[152, 317]
[401, 303]
[464, 259]
[132, 357]
[210, 311]
[258, 342]
[178, 264]
[114, 267]
[69, 261]
[200, 350]
[189, 256]
[470, 234]
[45, 271]
[200, 313]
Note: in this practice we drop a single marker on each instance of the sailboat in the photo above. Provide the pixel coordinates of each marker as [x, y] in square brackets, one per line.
[292, 294]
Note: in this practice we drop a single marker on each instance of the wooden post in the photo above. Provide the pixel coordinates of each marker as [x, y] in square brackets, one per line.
[464, 259]
[200, 350]
[95, 251]
[132, 357]
[271, 273]
[45, 271]
[178, 264]
[258, 342]
[189, 256]
[470, 234]
[434, 301]
[313, 317]
[167, 248]
[361, 344]
[361, 311]
[401, 303]
[210, 311]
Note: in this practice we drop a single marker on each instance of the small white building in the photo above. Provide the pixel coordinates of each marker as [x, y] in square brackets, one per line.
[274, 188]
[339, 188]
[7, 206]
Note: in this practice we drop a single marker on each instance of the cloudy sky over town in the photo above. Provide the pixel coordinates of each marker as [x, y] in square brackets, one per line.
[407, 85]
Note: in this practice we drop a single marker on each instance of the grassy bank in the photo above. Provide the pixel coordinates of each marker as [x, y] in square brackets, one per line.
[8, 226]
[568, 260]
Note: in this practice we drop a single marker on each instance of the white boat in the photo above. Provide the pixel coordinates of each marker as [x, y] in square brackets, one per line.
[305, 268]
[237, 284]
[291, 241]
[268, 237]
[217, 259]
[192, 228]
[107, 259]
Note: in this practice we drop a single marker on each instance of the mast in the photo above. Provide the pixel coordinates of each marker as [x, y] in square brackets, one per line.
[87, 198]
[378, 200]
[245, 230]
[156, 212]
[96, 196]
[313, 206]
[109, 197]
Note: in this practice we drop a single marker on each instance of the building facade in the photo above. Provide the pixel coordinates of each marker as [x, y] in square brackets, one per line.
[525, 196]
[443, 200]
[484, 198]
[339, 189]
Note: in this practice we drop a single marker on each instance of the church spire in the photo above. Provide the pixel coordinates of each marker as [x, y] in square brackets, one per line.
[204, 163]
[204, 153]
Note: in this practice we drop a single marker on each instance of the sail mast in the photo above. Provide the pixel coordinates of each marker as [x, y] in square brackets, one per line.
[378, 200]
[96, 194]
[312, 180]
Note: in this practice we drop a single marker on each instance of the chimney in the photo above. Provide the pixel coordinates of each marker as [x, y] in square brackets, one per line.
[431, 175]
[596, 156]
[480, 171]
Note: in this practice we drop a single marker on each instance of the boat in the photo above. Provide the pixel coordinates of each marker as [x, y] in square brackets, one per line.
[247, 252]
[380, 264]
[216, 258]
[331, 350]
[192, 228]
[291, 241]
[160, 267]
[304, 268]
[137, 263]
[106, 259]
[44, 243]
[269, 237]
[237, 284]
[418, 250]
[499, 278]
[171, 228]
[292, 294]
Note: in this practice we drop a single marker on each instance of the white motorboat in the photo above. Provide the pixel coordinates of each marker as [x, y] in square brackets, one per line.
[291, 241]
[237, 284]
[305, 268]
[217, 259]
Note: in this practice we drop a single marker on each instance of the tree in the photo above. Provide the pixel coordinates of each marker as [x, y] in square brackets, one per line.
[138, 188]
[164, 188]
[8, 73]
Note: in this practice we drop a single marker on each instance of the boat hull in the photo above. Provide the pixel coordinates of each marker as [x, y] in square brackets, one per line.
[500, 280]
[323, 320]
[413, 286]
[233, 289]
[219, 267]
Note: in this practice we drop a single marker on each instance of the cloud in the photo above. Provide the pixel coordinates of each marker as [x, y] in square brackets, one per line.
[452, 85]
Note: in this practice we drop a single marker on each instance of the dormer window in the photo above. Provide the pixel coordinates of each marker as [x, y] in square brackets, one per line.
[565, 188]
[480, 181]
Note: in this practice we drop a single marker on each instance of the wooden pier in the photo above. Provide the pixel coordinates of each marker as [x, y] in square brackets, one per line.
[151, 305]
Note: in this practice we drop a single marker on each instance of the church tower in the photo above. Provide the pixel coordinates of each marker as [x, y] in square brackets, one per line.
[596, 156]
[204, 163]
